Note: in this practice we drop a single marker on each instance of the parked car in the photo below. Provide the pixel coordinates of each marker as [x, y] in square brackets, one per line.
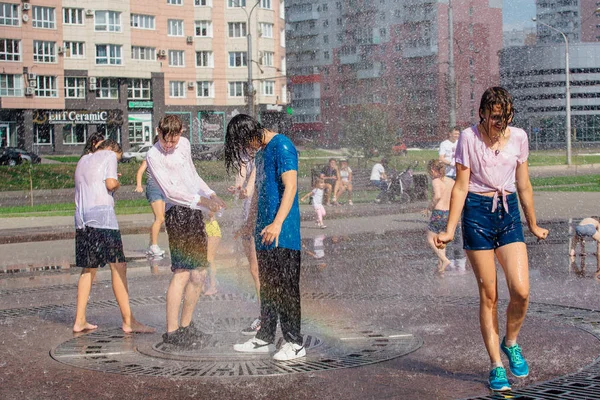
[10, 157]
[27, 155]
[136, 153]
[205, 152]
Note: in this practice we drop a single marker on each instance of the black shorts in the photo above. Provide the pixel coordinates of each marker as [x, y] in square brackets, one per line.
[187, 238]
[96, 247]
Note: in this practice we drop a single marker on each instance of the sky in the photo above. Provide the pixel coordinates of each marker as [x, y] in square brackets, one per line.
[517, 14]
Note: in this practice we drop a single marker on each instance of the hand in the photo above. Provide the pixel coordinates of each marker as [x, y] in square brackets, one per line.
[539, 233]
[425, 212]
[271, 234]
[211, 204]
[243, 193]
[442, 239]
[139, 189]
[233, 189]
[220, 202]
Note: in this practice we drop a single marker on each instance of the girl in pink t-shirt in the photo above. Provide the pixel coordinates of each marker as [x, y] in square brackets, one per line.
[491, 161]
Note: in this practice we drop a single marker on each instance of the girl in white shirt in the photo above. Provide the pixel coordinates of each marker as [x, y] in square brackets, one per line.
[317, 195]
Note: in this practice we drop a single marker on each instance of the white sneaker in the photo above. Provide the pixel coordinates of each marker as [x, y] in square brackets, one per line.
[289, 351]
[254, 345]
[155, 251]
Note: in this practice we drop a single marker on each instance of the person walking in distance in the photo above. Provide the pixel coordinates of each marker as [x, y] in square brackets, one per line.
[188, 197]
[275, 220]
[491, 161]
[156, 199]
[447, 152]
[97, 236]
[379, 179]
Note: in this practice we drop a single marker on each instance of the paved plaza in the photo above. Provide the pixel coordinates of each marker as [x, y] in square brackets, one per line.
[378, 322]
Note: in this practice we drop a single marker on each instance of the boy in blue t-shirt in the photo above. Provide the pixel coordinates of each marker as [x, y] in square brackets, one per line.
[275, 220]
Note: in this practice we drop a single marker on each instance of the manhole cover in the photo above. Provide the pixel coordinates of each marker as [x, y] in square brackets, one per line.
[332, 347]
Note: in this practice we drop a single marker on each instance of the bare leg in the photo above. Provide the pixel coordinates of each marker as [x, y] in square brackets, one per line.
[443, 261]
[484, 268]
[211, 252]
[119, 285]
[174, 295]
[193, 290]
[84, 287]
[327, 191]
[250, 251]
[158, 208]
[513, 258]
[349, 187]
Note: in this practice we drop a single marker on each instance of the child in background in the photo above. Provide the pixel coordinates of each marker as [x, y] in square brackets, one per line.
[439, 208]
[587, 227]
[213, 235]
[346, 181]
[97, 236]
[317, 195]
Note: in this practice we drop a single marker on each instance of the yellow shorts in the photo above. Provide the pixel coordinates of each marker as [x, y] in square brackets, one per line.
[213, 229]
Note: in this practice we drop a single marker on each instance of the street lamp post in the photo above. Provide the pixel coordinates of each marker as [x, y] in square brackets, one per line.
[451, 73]
[567, 88]
[249, 87]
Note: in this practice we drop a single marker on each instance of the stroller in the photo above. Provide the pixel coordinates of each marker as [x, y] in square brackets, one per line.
[400, 184]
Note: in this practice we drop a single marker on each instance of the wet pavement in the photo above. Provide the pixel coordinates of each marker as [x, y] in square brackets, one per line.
[381, 323]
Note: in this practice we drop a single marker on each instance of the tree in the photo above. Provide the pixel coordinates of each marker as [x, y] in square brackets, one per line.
[368, 131]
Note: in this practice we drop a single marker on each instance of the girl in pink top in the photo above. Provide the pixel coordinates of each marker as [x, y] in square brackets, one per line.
[491, 161]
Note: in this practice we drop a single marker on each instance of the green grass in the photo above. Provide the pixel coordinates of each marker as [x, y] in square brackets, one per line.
[64, 159]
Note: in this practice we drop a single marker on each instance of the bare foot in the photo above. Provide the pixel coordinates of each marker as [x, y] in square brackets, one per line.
[78, 328]
[442, 265]
[138, 327]
[211, 291]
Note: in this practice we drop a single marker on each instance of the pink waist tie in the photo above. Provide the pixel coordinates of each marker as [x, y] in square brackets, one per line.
[504, 200]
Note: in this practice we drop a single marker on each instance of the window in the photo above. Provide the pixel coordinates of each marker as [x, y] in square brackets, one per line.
[107, 88]
[175, 27]
[204, 59]
[176, 58]
[237, 89]
[325, 39]
[177, 89]
[326, 55]
[204, 89]
[238, 59]
[73, 16]
[265, 4]
[143, 53]
[140, 21]
[266, 30]
[107, 21]
[11, 85]
[108, 54]
[237, 29]
[43, 134]
[44, 52]
[9, 14]
[175, 2]
[267, 58]
[74, 134]
[268, 88]
[139, 89]
[137, 134]
[46, 86]
[236, 3]
[44, 17]
[74, 88]
[282, 37]
[203, 3]
[203, 28]
[74, 49]
[10, 50]
[282, 9]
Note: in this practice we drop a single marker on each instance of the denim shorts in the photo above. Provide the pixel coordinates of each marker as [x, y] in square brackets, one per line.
[153, 192]
[585, 230]
[484, 230]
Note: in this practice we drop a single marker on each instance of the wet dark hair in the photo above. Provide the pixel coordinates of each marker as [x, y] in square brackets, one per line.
[169, 126]
[155, 139]
[497, 96]
[110, 144]
[242, 130]
[91, 145]
[453, 128]
[332, 159]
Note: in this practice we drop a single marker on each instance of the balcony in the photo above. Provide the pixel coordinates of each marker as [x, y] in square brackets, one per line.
[303, 16]
[349, 58]
[373, 71]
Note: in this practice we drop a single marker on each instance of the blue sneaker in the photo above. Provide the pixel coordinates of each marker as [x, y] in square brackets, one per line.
[516, 362]
[498, 380]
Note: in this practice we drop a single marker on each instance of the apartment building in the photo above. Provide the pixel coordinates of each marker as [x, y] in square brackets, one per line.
[393, 55]
[535, 75]
[73, 67]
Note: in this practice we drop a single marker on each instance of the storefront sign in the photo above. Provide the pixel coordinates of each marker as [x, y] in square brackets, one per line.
[64, 117]
[212, 127]
[141, 104]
